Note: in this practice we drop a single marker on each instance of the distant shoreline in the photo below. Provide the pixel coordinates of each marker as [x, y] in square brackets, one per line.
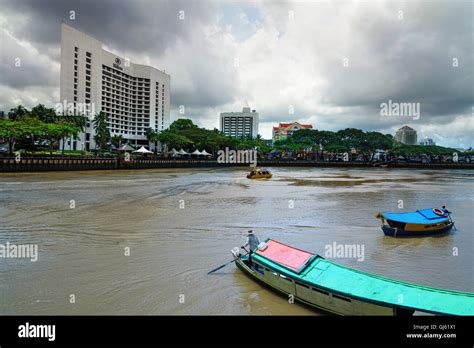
[41, 164]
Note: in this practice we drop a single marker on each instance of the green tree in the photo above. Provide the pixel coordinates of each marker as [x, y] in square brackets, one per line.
[116, 140]
[182, 123]
[17, 113]
[76, 120]
[377, 141]
[102, 133]
[414, 150]
[44, 114]
[172, 139]
[12, 131]
[54, 132]
[351, 137]
[151, 137]
[28, 141]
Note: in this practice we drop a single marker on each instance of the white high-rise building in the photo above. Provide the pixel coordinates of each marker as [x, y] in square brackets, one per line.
[238, 124]
[134, 97]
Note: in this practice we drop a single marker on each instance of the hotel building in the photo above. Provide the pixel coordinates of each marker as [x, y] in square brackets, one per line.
[134, 97]
[240, 124]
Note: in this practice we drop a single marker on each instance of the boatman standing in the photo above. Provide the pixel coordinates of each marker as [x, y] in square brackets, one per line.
[252, 242]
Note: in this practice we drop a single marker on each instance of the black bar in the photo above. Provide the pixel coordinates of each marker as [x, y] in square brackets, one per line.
[135, 330]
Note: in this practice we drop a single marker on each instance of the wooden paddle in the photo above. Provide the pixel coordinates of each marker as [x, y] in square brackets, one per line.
[225, 264]
[218, 268]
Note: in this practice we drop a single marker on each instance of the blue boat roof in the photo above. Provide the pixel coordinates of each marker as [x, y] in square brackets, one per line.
[424, 216]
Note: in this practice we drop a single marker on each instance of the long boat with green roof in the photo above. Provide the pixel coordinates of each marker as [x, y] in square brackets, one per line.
[340, 290]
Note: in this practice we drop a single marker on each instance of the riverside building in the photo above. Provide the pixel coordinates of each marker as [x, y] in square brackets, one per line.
[285, 130]
[240, 124]
[406, 135]
[134, 97]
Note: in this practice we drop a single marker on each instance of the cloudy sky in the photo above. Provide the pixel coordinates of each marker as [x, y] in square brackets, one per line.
[328, 63]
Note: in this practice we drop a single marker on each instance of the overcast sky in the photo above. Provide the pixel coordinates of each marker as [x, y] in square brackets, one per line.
[327, 63]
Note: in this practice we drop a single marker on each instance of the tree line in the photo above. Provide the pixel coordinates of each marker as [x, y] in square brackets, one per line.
[183, 133]
[30, 129]
[353, 140]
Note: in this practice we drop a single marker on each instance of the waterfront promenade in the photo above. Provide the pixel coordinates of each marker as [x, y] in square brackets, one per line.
[39, 164]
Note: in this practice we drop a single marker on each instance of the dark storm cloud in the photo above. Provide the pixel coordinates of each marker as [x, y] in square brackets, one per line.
[20, 68]
[409, 60]
[145, 29]
[139, 25]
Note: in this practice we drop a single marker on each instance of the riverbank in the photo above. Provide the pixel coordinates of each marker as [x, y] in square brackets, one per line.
[41, 164]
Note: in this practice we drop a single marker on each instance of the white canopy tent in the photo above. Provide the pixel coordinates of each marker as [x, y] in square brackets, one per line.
[196, 152]
[142, 150]
[205, 153]
[126, 147]
[174, 152]
[182, 152]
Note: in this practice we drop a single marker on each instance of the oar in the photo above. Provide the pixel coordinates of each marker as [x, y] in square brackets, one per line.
[218, 268]
[225, 264]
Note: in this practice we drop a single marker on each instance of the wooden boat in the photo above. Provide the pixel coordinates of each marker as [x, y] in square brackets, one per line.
[419, 223]
[340, 290]
[257, 173]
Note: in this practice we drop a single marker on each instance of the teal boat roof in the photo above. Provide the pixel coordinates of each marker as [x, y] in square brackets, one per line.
[424, 216]
[338, 279]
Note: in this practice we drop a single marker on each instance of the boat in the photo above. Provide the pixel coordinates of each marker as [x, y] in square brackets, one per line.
[419, 223]
[339, 290]
[383, 164]
[257, 173]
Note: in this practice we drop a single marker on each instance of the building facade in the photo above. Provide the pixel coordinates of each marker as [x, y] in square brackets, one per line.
[240, 124]
[284, 130]
[134, 97]
[406, 135]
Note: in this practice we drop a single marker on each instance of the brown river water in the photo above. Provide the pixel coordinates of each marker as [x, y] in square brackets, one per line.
[180, 223]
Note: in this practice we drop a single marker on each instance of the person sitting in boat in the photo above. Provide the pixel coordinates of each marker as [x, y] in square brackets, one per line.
[446, 211]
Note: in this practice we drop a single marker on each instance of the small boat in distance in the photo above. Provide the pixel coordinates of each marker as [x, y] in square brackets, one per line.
[257, 173]
[335, 289]
[419, 223]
